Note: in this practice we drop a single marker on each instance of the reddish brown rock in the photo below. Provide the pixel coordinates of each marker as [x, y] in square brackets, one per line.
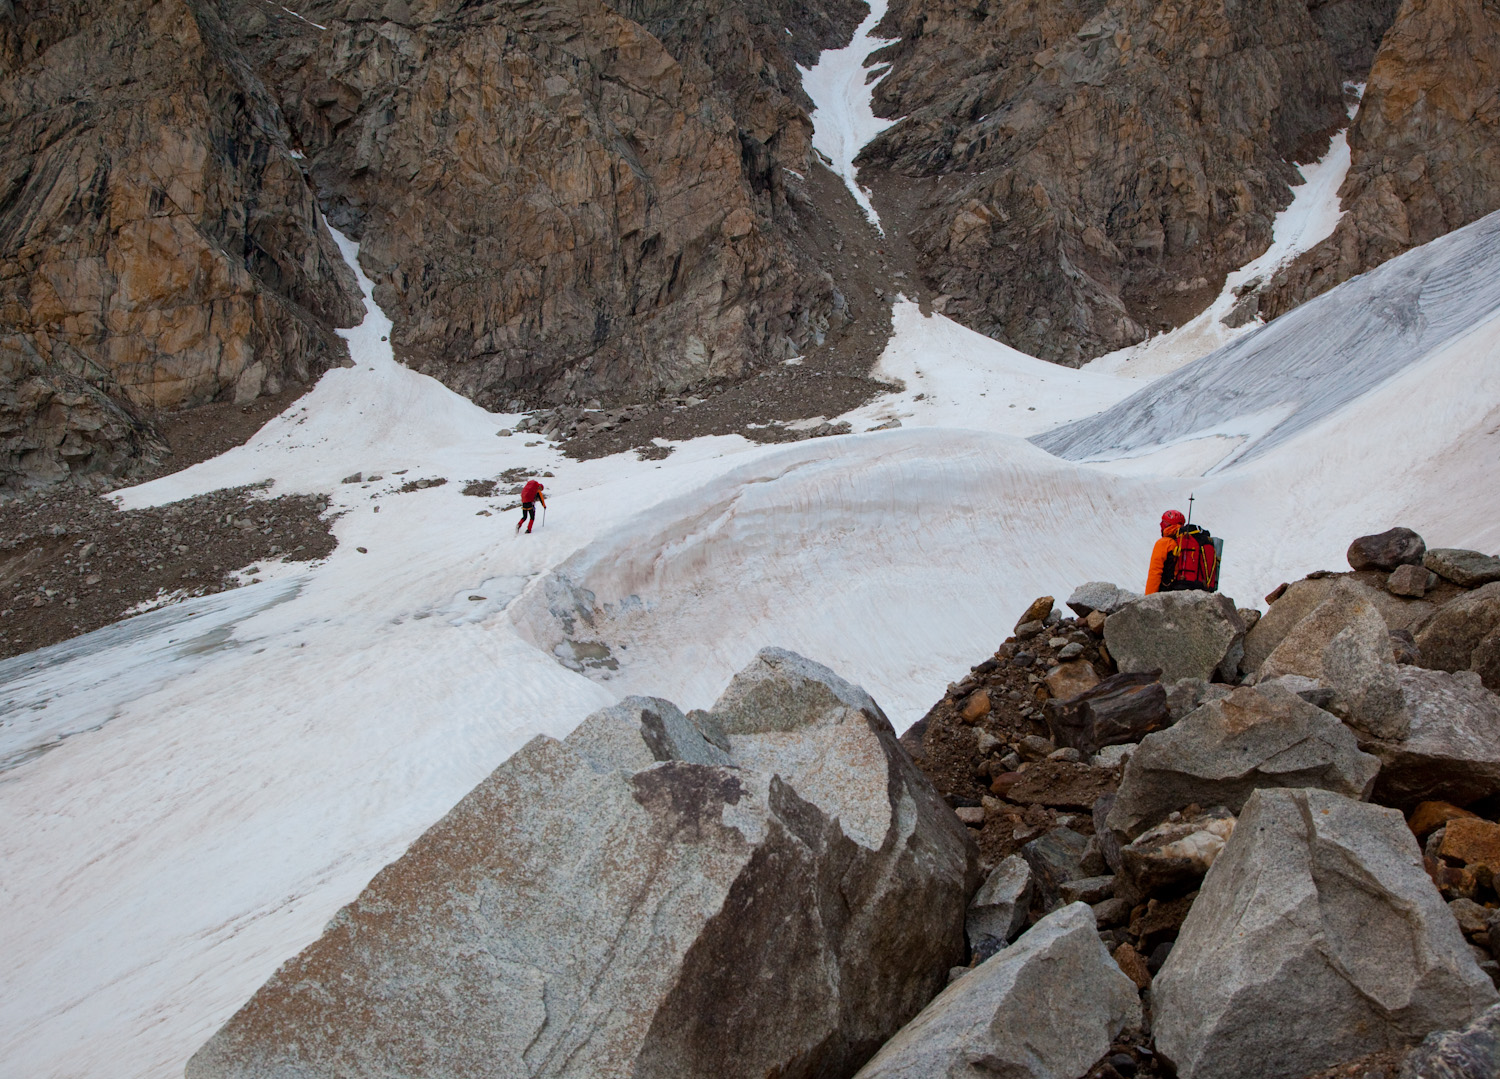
[1134, 966]
[1062, 784]
[1428, 817]
[976, 706]
[1472, 841]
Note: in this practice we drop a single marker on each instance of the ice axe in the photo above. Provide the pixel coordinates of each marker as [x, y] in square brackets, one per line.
[1190, 508]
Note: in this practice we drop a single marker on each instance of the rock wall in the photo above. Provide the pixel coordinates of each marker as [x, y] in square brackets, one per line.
[556, 203]
[1425, 147]
[1074, 175]
[159, 246]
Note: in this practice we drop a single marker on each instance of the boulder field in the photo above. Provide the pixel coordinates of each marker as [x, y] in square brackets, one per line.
[1280, 864]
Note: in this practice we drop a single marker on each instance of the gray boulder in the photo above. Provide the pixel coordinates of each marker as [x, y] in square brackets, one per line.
[1299, 600]
[1387, 550]
[1467, 569]
[1317, 937]
[1047, 1007]
[1448, 640]
[1187, 694]
[1100, 596]
[1451, 751]
[1058, 856]
[593, 909]
[1359, 666]
[1227, 749]
[999, 908]
[1348, 607]
[1181, 634]
[1471, 1053]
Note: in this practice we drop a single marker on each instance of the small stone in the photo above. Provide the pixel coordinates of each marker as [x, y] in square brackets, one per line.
[1040, 608]
[970, 815]
[1022, 660]
[504, 432]
[1410, 580]
[985, 742]
[476, 598]
[1095, 622]
[362, 550]
[1011, 761]
[358, 477]
[1134, 965]
[1071, 650]
[1069, 679]
[1467, 569]
[1087, 890]
[1067, 753]
[977, 705]
[1057, 642]
[1112, 912]
[1100, 597]
[999, 908]
[1112, 756]
[92, 578]
[1034, 747]
[1027, 630]
[1471, 917]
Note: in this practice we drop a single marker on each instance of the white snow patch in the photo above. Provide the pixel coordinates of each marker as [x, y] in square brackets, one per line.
[842, 119]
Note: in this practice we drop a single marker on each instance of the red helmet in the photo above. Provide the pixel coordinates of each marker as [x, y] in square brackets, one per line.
[1172, 519]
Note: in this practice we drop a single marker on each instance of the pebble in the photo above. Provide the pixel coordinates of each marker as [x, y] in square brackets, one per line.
[1070, 651]
[1057, 642]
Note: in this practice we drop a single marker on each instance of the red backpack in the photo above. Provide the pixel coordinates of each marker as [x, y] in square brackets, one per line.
[1196, 563]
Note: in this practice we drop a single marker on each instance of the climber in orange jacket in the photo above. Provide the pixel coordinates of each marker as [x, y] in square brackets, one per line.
[1164, 552]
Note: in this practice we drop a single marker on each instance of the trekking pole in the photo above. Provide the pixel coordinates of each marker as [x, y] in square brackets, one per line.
[1190, 508]
[544, 515]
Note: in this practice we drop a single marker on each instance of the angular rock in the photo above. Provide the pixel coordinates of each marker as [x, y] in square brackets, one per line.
[1067, 680]
[1055, 858]
[1427, 817]
[1470, 1053]
[571, 908]
[1122, 708]
[1101, 596]
[1448, 641]
[1309, 689]
[1133, 964]
[1387, 550]
[1089, 890]
[977, 704]
[1467, 569]
[999, 908]
[1451, 752]
[1359, 666]
[1316, 938]
[1188, 693]
[1472, 841]
[1227, 749]
[1299, 600]
[1047, 1007]
[1181, 634]
[1040, 608]
[1347, 607]
[1410, 580]
[1175, 854]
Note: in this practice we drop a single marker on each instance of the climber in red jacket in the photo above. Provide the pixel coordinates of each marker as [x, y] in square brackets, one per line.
[1164, 553]
[531, 494]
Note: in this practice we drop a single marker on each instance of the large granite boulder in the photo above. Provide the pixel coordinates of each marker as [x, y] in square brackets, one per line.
[1232, 747]
[1047, 1007]
[1181, 634]
[1317, 937]
[1347, 606]
[618, 902]
[1451, 749]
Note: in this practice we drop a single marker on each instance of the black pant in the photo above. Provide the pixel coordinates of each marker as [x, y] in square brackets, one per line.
[528, 510]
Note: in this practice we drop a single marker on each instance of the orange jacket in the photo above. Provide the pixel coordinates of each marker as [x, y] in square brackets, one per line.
[1163, 548]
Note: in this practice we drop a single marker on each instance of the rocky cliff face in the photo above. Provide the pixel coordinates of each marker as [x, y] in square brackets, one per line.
[159, 246]
[1425, 147]
[552, 203]
[1073, 175]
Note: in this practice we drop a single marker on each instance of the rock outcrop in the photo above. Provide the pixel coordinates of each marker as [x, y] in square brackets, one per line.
[1046, 1008]
[1316, 938]
[619, 903]
[159, 244]
[563, 200]
[1425, 147]
[1075, 175]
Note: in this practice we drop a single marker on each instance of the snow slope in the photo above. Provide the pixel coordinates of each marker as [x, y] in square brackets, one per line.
[1311, 363]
